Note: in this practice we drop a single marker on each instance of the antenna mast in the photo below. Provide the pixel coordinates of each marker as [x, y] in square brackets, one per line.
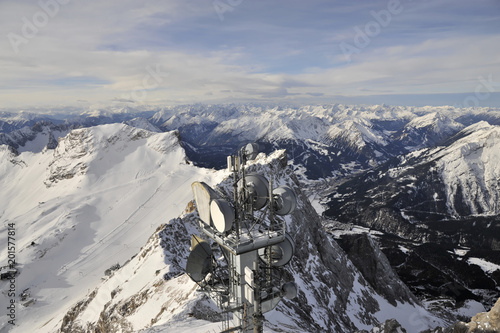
[256, 249]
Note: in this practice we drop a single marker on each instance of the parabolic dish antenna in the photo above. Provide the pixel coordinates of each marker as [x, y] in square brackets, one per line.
[258, 190]
[203, 195]
[251, 150]
[199, 262]
[284, 200]
[222, 215]
[280, 254]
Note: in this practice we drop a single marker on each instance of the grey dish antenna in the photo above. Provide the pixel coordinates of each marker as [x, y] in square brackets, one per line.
[285, 201]
[279, 254]
[199, 262]
[258, 190]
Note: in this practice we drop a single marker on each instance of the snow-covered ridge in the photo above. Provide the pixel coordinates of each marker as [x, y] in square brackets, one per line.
[436, 120]
[470, 168]
[82, 147]
[358, 133]
[83, 207]
[428, 130]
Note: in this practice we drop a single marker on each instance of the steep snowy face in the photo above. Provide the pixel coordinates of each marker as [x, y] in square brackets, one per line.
[142, 123]
[470, 170]
[428, 130]
[460, 179]
[356, 133]
[36, 138]
[104, 146]
[82, 208]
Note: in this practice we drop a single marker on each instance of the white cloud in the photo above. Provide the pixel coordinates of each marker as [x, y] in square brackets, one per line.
[100, 51]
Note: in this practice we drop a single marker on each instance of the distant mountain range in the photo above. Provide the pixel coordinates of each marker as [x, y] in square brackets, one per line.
[421, 185]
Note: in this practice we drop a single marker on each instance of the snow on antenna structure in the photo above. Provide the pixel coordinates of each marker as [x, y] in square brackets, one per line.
[248, 281]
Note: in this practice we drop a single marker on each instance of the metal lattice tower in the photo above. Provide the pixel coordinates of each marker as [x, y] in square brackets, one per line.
[246, 230]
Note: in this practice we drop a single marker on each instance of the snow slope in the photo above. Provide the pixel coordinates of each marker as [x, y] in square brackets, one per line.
[428, 130]
[83, 207]
[470, 169]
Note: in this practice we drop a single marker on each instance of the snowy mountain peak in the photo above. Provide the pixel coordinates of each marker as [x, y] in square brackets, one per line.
[470, 169]
[93, 147]
[437, 120]
[428, 130]
[42, 135]
[357, 132]
[481, 125]
[110, 187]
[142, 123]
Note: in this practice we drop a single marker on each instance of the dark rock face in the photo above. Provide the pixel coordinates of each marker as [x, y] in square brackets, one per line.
[375, 267]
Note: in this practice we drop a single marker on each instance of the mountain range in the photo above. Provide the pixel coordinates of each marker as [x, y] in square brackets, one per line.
[407, 201]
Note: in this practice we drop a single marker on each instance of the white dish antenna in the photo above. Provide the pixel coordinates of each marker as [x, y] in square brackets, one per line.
[199, 262]
[222, 215]
[285, 200]
[203, 195]
[258, 190]
[280, 254]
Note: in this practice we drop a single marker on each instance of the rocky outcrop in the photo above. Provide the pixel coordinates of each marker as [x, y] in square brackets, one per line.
[365, 254]
[487, 322]
[484, 322]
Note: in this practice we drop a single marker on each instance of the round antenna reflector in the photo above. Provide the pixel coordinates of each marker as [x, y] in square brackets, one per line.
[258, 190]
[199, 262]
[222, 215]
[251, 150]
[280, 254]
[290, 290]
[285, 201]
[203, 194]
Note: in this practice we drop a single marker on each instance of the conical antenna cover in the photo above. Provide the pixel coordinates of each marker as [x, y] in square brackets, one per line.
[258, 190]
[285, 201]
[280, 253]
[199, 262]
[290, 290]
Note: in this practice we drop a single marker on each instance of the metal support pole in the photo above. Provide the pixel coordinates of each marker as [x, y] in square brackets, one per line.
[257, 315]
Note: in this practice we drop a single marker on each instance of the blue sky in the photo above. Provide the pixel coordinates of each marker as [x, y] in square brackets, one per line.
[410, 52]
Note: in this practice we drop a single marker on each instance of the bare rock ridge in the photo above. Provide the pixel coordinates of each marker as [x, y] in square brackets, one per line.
[375, 267]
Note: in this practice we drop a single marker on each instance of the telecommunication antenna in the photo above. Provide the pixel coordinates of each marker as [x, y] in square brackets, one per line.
[250, 236]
